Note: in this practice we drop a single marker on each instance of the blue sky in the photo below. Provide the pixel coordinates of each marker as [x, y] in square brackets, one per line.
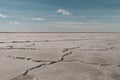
[59, 15]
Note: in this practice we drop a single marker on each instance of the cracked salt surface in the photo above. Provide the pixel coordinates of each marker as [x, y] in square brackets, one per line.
[59, 56]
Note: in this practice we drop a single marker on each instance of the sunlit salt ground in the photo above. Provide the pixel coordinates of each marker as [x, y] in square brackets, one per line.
[59, 56]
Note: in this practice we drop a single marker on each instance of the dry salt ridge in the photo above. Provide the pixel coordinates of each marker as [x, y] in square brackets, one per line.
[59, 56]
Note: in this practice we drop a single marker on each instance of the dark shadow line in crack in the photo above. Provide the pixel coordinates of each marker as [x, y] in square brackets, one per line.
[45, 41]
[20, 48]
[44, 64]
[27, 58]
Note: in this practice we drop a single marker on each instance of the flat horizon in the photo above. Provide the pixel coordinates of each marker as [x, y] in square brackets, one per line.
[59, 32]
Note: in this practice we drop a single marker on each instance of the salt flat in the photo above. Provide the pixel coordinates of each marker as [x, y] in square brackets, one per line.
[59, 56]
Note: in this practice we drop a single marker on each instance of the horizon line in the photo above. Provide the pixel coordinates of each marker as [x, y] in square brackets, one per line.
[60, 32]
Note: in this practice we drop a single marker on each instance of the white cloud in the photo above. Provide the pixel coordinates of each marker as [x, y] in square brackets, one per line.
[38, 19]
[68, 23]
[3, 16]
[63, 12]
[74, 23]
[82, 16]
[16, 23]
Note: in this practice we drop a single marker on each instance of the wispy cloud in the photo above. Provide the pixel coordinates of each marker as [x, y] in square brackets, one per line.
[3, 16]
[74, 23]
[15, 23]
[69, 23]
[63, 12]
[38, 19]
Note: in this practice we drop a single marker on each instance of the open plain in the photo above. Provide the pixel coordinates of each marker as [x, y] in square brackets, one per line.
[59, 56]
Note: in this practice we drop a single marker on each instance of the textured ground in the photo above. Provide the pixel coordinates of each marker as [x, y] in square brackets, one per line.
[59, 56]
